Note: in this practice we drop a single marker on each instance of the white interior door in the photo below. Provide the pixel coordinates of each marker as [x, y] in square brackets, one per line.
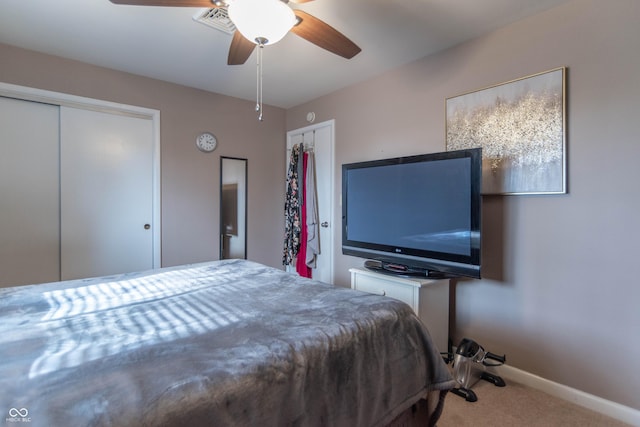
[29, 189]
[106, 163]
[321, 138]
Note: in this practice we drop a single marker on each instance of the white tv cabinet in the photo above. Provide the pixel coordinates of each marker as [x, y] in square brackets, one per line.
[429, 298]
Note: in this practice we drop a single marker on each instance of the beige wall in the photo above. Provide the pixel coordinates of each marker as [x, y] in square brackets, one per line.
[190, 179]
[560, 294]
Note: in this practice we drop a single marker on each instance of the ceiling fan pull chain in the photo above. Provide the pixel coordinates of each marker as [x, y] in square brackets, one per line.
[261, 85]
[259, 81]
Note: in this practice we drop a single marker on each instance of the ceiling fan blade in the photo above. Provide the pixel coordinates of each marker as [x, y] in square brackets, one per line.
[240, 49]
[172, 3]
[324, 35]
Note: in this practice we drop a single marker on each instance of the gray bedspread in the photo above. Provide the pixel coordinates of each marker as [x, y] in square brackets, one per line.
[226, 343]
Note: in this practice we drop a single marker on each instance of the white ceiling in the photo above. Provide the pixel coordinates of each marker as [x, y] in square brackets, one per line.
[167, 44]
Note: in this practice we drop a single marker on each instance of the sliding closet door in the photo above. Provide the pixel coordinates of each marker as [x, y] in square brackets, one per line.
[29, 208]
[106, 163]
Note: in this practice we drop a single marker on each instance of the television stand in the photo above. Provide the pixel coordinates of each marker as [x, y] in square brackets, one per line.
[428, 298]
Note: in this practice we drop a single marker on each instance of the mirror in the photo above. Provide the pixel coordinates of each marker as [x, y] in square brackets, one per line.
[233, 208]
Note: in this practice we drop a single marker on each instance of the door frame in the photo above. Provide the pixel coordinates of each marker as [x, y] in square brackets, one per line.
[63, 99]
[332, 214]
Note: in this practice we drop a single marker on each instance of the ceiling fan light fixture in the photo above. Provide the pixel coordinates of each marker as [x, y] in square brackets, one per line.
[262, 21]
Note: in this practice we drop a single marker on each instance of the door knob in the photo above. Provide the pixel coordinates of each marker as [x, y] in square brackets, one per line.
[147, 226]
[324, 224]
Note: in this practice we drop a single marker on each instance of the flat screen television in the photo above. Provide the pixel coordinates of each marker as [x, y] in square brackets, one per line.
[417, 215]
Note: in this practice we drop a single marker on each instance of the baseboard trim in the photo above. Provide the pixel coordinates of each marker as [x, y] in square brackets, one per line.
[612, 409]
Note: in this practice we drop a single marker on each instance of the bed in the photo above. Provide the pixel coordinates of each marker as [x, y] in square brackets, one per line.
[223, 343]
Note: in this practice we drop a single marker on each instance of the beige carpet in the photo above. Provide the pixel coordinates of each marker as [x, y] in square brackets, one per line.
[517, 405]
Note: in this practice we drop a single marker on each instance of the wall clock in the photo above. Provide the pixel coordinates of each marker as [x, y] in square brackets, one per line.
[206, 142]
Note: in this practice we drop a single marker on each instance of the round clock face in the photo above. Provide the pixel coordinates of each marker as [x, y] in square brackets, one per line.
[206, 142]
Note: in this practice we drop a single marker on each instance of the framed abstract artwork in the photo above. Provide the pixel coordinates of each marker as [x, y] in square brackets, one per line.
[521, 127]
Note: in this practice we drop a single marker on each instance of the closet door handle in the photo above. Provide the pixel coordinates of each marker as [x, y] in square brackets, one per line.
[147, 226]
[324, 224]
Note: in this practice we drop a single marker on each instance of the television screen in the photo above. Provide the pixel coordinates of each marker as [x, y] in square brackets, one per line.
[418, 214]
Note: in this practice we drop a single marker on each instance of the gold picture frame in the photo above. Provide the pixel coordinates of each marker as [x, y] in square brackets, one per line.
[521, 127]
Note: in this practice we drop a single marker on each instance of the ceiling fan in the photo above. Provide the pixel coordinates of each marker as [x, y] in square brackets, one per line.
[253, 18]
